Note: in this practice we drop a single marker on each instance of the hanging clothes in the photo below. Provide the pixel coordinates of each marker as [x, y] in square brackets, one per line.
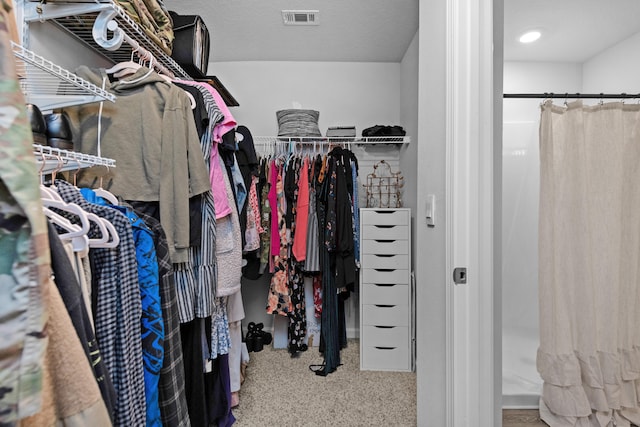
[152, 324]
[153, 138]
[71, 294]
[171, 387]
[24, 270]
[118, 310]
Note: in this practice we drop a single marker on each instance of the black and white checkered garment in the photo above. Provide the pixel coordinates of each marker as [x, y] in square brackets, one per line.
[172, 398]
[118, 311]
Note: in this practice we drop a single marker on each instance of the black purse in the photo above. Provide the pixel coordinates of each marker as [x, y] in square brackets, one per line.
[191, 44]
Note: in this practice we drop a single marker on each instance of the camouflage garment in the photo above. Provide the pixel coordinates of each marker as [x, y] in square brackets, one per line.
[24, 250]
[153, 18]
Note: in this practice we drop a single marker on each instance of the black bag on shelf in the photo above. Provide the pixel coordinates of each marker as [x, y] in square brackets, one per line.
[191, 44]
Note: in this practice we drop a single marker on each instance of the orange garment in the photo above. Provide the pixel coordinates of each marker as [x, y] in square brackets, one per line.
[302, 214]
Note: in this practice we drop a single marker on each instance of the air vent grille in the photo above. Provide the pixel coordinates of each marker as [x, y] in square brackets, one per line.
[301, 17]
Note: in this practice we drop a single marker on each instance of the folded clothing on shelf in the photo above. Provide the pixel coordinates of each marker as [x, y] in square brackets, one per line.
[341, 132]
[383, 130]
[154, 20]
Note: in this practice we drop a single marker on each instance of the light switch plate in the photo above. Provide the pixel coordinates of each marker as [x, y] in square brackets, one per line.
[431, 210]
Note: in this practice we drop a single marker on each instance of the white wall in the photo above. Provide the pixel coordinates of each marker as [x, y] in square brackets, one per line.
[430, 260]
[360, 94]
[409, 117]
[615, 70]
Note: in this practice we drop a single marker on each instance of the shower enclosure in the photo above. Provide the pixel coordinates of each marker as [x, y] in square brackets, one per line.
[521, 383]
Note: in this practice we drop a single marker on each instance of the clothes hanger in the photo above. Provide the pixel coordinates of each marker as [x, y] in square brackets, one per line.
[107, 195]
[126, 67]
[108, 235]
[76, 233]
[148, 57]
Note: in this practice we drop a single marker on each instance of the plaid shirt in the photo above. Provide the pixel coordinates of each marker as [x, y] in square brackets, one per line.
[173, 402]
[118, 311]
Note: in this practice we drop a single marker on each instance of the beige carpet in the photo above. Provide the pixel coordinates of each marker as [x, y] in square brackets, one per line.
[282, 391]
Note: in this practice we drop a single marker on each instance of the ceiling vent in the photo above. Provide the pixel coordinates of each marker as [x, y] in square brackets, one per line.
[301, 17]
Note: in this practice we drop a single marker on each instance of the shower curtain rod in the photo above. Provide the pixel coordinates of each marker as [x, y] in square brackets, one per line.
[572, 95]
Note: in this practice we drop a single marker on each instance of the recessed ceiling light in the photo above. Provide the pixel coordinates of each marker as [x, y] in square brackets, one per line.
[530, 36]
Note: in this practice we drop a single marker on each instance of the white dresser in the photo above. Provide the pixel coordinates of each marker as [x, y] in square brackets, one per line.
[386, 291]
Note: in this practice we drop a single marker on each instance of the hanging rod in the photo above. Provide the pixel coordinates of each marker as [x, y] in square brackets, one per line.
[266, 140]
[571, 95]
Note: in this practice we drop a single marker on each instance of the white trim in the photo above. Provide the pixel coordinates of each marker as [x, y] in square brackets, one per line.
[470, 368]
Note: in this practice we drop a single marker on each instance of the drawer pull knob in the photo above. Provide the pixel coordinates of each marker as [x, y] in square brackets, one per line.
[385, 348]
[384, 284]
[385, 269]
[384, 226]
[385, 212]
[383, 327]
[384, 305]
[384, 241]
[384, 255]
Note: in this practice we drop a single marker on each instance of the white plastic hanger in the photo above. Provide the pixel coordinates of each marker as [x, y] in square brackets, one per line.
[108, 196]
[105, 194]
[75, 233]
[109, 236]
[124, 68]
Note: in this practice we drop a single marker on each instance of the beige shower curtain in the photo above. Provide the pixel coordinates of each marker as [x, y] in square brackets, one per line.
[589, 274]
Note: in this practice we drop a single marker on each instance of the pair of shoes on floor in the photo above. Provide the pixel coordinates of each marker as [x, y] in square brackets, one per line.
[51, 129]
[256, 338]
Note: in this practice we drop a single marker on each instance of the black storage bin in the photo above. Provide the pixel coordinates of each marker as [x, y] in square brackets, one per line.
[191, 44]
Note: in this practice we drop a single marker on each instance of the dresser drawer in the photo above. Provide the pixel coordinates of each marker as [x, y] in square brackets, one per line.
[385, 336]
[384, 294]
[385, 315]
[397, 276]
[385, 261]
[384, 217]
[385, 358]
[385, 232]
[384, 247]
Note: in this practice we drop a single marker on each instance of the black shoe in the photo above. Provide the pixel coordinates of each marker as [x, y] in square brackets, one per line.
[266, 336]
[250, 338]
[59, 131]
[258, 344]
[38, 125]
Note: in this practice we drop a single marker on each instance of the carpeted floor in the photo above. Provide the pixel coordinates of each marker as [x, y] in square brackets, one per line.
[282, 391]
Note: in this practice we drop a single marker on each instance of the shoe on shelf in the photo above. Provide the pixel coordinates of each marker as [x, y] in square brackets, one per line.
[59, 131]
[38, 125]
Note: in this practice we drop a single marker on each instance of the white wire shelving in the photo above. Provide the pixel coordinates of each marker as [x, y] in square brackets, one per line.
[279, 144]
[106, 28]
[50, 86]
[50, 159]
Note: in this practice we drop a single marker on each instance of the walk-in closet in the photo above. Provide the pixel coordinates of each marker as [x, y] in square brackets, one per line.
[185, 218]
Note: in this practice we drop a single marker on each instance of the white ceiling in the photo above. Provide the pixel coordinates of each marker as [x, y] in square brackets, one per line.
[381, 30]
[572, 30]
[349, 30]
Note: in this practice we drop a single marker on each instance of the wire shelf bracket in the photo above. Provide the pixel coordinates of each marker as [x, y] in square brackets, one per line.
[50, 86]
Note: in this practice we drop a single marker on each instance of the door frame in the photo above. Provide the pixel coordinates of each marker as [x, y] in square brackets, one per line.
[473, 338]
